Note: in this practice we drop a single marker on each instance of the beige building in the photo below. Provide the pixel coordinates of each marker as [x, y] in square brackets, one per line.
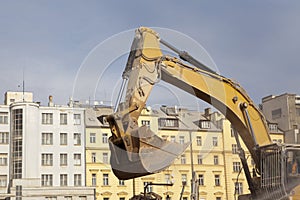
[216, 162]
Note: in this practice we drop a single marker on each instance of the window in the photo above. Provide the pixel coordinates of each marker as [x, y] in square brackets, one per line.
[47, 179]
[47, 159]
[63, 159]
[183, 159]
[232, 130]
[199, 159]
[235, 149]
[298, 111]
[215, 141]
[199, 140]
[105, 179]
[216, 160]
[77, 139]
[122, 198]
[63, 180]
[276, 113]
[94, 158]
[47, 138]
[238, 188]
[105, 198]
[63, 118]
[92, 137]
[68, 198]
[165, 122]
[82, 197]
[218, 198]
[77, 179]
[183, 178]
[205, 124]
[217, 180]
[94, 179]
[17, 143]
[77, 159]
[168, 178]
[104, 138]
[3, 159]
[63, 138]
[184, 198]
[149, 187]
[3, 180]
[3, 137]
[181, 139]
[47, 118]
[3, 117]
[273, 127]
[77, 119]
[173, 138]
[201, 179]
[121, 182]
[105, 157]
[146, 122]
[236, 166]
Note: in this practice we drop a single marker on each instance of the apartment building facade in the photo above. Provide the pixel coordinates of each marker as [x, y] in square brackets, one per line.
[284, 110]
[214, 155]
[46, 150]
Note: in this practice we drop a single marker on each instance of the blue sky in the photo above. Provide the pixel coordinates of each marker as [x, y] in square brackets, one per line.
[253, 42]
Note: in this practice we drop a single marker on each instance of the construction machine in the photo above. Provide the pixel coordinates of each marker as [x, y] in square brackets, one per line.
[137, 151]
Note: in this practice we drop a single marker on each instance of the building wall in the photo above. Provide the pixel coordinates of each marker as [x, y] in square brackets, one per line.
[224, 169]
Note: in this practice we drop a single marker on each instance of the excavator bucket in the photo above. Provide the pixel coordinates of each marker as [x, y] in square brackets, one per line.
[154, 154]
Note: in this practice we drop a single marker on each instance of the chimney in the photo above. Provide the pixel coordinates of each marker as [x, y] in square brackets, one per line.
[207, 112]
[50, 103]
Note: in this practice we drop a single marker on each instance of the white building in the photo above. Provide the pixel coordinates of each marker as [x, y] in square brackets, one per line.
[47, 151]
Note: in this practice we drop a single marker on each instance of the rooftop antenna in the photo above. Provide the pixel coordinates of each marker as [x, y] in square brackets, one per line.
[23, 85]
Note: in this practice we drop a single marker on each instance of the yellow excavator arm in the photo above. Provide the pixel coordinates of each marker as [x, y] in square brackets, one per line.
[137, 151]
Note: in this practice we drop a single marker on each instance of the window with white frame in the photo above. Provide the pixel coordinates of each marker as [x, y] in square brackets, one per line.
[47, 138]
[201, 179]
[181, 139]
[205, 124]
[183, 178]
[121, 182]
[183, 159]
[149, 187]
[235, 149]
[94, 179]
[199, 159]
[236, 166]
[94, 160]
[47, 179]
[3, 180]
[146, 123]
[47, 159]
[63, 138]
[68, 197]
[92, 137]
[77, 179]
[63, 179]
[215, 141]
[63, 159]
[104, 138]
[4, 138]
[47, 118]
[3, 117]
[105, 179]
[168, 178]
[63, 118]
[238, 188]
[77, 139]
[3, 159]
[82, 198]
[199, 140]
[77, 119]
[216, 160]
[217, 180]
[77, 159]
[105, 157]
[173, 138]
